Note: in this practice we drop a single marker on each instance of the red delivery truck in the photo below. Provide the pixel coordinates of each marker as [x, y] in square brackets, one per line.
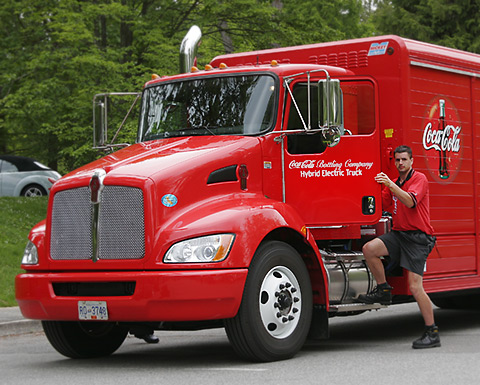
[248, 195]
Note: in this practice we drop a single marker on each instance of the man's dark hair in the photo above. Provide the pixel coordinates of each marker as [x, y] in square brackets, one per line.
[403, 148]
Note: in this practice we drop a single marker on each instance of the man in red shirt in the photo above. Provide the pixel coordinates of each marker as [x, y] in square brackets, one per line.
[409, 243]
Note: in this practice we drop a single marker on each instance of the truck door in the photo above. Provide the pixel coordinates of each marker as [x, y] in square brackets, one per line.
[331, 186]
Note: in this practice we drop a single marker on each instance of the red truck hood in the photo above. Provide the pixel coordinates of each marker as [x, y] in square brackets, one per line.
[165, 158]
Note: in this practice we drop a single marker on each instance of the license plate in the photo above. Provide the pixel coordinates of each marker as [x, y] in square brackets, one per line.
[92, 310]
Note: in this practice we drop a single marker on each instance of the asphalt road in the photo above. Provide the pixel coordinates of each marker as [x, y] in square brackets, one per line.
[372, 348]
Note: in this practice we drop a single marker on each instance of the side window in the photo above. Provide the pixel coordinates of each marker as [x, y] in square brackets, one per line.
[358, 110]
[358, 107]
[300, 93]
[8, 167]
[304, 143]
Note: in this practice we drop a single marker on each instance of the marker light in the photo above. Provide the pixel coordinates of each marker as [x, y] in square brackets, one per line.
[222, 66]
[208, 67]
[155, 76]
[274, 63]
[194, 69]
[211, 248]
[30, 255]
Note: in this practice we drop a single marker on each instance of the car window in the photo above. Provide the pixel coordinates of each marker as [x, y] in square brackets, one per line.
[7, 166]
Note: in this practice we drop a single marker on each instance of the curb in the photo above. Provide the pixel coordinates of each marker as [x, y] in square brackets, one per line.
[12, 322]
[20, 327]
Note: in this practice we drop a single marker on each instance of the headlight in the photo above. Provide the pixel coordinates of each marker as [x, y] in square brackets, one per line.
[30, 255]
[212, 248]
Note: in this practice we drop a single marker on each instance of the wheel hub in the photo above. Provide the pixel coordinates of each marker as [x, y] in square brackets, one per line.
[284, 301]
[280, 302]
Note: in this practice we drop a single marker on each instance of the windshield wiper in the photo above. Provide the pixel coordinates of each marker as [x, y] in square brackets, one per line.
[190, 131]
[206, 129]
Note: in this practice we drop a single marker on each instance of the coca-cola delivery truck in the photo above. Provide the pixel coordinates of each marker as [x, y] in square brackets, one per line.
[248, 195]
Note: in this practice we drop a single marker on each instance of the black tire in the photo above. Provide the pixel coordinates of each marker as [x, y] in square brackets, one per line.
[276, 310]
[84, 339]
[33, 190]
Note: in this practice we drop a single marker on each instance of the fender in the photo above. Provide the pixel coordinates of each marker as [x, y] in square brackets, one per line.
[252, 218]
[33, 179]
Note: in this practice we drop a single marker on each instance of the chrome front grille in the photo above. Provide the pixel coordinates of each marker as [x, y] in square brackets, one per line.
[121, 224]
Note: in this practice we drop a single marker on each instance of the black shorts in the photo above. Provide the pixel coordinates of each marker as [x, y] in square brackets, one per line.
[410, 249]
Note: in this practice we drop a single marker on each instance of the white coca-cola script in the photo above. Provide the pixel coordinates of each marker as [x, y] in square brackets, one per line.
[442, 140]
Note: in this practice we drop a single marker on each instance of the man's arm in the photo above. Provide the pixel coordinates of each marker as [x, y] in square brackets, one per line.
[402, 195]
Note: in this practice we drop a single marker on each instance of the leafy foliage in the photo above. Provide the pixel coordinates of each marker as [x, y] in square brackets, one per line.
[449, 23]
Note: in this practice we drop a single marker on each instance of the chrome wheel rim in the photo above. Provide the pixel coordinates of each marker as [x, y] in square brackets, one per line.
[280, 302]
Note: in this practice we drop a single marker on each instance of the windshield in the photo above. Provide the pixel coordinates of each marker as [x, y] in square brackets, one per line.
[234, 105]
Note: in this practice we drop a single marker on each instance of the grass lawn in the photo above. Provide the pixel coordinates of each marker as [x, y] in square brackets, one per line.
[17, 217]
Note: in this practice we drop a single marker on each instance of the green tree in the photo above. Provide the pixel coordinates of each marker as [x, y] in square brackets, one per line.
[313, 21]
[55, 63]
[449, 23]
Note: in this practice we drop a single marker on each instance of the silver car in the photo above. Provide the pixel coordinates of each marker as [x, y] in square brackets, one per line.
[21, 176]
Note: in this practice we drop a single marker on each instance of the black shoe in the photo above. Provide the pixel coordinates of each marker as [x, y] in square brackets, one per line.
[381, 294]
[429, 339]
[148, 338]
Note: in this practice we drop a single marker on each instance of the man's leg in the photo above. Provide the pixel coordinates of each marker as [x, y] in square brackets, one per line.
[415, 283]
[382, 294]
[430, 337]
[372, 252]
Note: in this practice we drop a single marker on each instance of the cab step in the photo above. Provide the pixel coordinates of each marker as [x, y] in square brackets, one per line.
[355, 307]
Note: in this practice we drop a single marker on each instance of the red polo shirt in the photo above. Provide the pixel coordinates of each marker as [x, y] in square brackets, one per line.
[417, 217]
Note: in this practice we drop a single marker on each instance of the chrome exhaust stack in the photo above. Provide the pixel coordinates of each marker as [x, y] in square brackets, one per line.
[188, 48]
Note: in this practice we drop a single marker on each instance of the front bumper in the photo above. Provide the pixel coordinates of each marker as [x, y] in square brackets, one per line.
[158, 296]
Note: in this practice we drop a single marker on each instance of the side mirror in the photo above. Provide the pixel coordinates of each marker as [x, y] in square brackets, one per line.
[99, 121]
[330, 110]
[108, 112]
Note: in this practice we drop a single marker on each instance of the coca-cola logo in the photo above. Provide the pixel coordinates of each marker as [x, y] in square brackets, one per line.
[442, 140]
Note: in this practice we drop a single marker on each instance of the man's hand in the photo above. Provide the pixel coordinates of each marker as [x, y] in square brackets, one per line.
[402, 195]
[383, 179]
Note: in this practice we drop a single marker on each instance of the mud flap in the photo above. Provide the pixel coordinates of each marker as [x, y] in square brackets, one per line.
[319, 326]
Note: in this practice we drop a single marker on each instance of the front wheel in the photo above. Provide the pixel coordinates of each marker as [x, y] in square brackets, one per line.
[84, 339]
[33, 190]
[276, 310]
